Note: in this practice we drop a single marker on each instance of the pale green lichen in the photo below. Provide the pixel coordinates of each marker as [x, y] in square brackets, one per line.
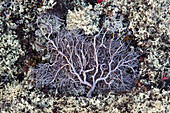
[86, 19]
[17, 98]
[10, 50]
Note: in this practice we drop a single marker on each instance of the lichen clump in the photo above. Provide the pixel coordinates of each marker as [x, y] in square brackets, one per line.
[10, 50]
[86, 19]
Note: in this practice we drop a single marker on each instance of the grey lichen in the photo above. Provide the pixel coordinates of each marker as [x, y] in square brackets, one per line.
[103, 62]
